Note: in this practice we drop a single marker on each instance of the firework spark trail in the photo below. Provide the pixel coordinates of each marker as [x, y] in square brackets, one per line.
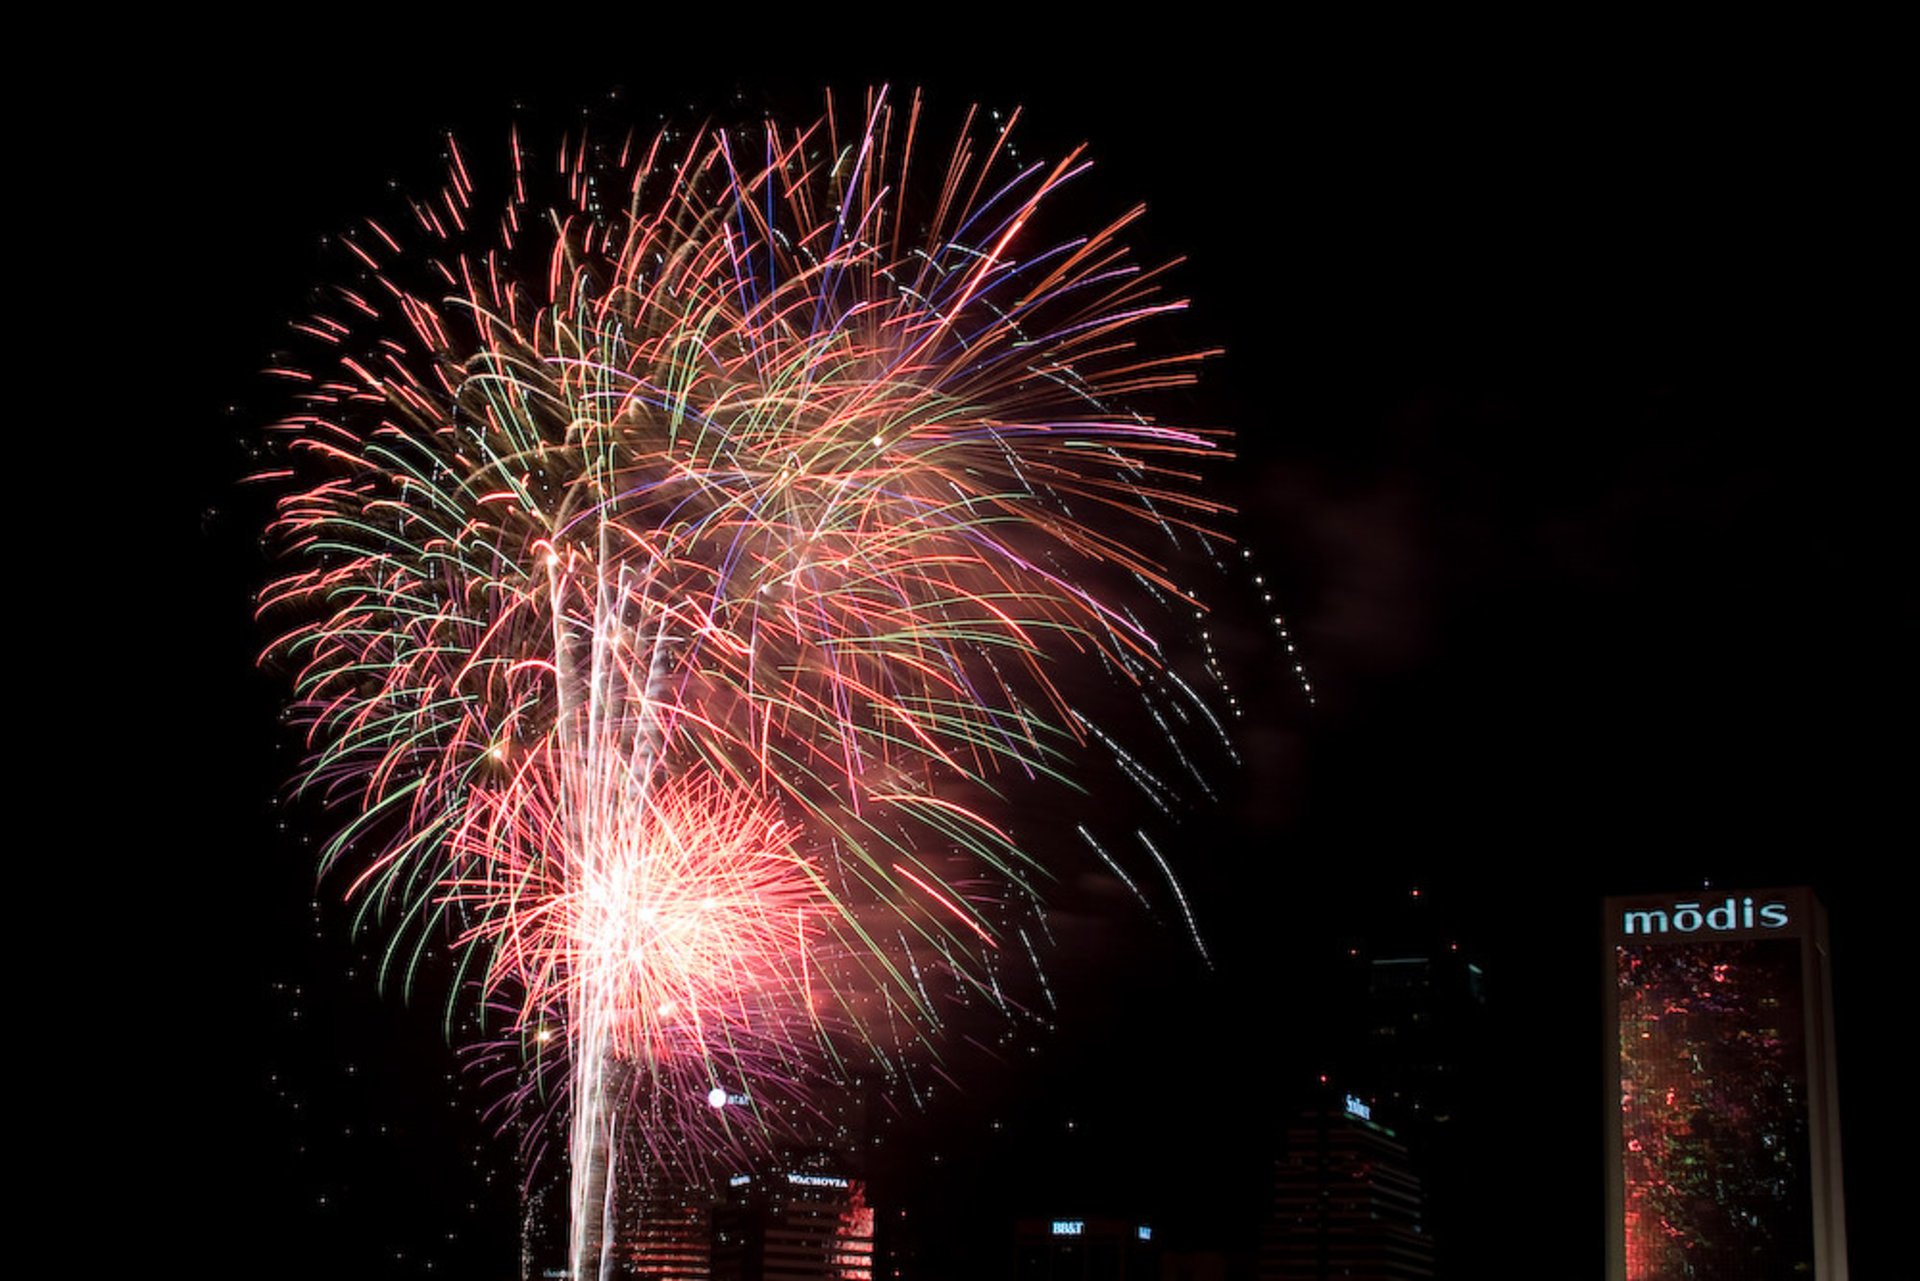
[677, 573]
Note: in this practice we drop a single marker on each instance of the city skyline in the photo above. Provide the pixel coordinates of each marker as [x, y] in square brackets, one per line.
[1547, 466]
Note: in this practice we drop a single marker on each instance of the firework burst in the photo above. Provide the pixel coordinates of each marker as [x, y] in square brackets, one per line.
[681, 565]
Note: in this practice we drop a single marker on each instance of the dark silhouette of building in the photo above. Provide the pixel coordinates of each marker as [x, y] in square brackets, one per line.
[1083, 1249]
[1414, 1038]
[1417, 1023]
[1346, 1202]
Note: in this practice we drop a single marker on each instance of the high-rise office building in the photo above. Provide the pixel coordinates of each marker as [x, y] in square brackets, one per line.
[1346, 1202]
[1723, 1157]
[667, 1234]
[1413, 1039]
[1076, 1248]
[793, 1225]
[1415, 1004]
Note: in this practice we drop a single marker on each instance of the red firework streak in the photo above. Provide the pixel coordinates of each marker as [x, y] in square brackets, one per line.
[678, 562]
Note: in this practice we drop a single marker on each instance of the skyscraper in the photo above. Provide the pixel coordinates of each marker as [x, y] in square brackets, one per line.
[1415, 1001]
[1346, 1202]
[1723, 1143]
[793, 1225]
[668, 1234]
[1414, 1021]
[1076, 1248]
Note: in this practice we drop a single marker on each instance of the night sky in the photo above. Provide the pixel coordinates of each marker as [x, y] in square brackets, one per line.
[1562, 383]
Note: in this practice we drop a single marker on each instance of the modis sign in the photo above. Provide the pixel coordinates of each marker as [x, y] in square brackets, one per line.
[1674, 918]
[1689, 916]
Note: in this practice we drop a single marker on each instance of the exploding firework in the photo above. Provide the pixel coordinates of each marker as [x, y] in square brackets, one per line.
[681, 566]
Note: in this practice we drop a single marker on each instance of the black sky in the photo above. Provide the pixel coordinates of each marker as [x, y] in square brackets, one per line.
[1561, 369]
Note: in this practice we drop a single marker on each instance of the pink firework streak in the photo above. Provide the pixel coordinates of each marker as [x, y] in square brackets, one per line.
[682, 565]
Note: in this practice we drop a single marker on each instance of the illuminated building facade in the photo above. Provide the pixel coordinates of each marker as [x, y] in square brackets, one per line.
[1723, 1141]
[669, 1237]
[1346, 1202]
[793, 1225]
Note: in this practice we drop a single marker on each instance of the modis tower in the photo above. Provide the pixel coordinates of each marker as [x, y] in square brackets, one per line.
[1723, 1129]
